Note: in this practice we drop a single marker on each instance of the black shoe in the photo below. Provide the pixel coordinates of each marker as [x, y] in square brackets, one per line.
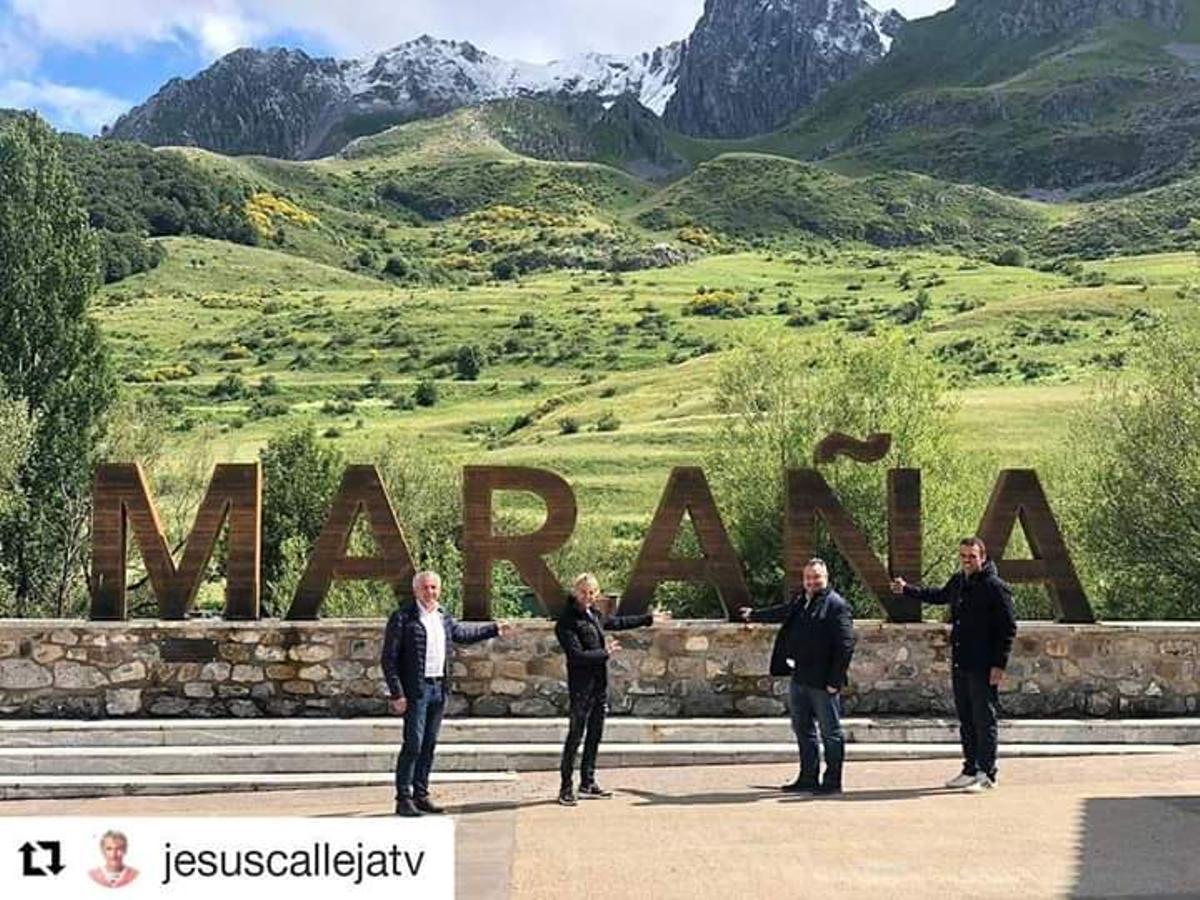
[566, 797]
[802, 785]
[405, 807]
[593, 791]
[829, 788]
[425, 805]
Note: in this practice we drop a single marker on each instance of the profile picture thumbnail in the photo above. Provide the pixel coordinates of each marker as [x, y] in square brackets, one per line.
[113, 873]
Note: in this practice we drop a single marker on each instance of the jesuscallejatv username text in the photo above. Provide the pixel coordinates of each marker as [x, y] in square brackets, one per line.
[321, 860]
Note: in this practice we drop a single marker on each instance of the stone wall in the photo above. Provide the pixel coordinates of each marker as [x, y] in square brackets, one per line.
[199, 668]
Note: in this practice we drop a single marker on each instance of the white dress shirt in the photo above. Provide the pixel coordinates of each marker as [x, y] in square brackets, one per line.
[435, 642]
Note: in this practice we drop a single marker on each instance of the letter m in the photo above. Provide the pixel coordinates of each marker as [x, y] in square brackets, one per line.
[121, 501]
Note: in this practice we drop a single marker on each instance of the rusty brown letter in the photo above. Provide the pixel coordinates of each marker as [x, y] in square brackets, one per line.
[121, 500]
[482, 547]
[1018, 497]
[687, 491]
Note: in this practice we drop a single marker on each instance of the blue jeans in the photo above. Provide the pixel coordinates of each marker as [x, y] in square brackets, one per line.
[812, 706]
[422, 720]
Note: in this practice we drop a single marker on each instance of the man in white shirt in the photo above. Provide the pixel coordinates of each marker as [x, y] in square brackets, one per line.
[417, 651]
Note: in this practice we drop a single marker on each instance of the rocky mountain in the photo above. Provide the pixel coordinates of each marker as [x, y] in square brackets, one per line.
[623, 133]
[287, 104]
[273, 102]
[1045, 97]
[748, 67]
[751, 65]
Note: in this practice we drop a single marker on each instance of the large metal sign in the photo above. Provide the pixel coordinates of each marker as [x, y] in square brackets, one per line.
[122, 504]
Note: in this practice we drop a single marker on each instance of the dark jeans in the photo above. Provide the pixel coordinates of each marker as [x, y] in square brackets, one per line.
[976, 702]
[589, 703]
[811, 707]
[422, 720]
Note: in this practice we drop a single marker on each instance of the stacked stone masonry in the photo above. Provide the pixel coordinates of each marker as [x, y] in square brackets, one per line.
[331, 668]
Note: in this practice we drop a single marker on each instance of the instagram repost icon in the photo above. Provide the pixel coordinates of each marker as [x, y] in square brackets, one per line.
[113, 873]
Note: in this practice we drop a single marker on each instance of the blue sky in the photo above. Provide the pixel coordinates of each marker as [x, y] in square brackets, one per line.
[82, 65]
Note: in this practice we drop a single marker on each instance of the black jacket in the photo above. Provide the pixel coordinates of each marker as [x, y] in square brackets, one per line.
[817, 635]
[981, 612]
[581, 636]
[403, 657]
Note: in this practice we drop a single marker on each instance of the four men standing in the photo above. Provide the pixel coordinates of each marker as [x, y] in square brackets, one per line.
[814, 647]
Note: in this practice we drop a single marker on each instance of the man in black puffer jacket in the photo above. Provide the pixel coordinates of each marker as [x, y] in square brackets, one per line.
[981, 638]
[418, 648]
[580, 632]
[814, 647]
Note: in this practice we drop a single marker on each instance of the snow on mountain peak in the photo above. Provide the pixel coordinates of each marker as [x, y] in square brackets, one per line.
[459, 71]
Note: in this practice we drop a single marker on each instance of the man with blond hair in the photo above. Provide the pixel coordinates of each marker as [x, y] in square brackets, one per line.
[114, 873]
[581, 634]
[418, 646]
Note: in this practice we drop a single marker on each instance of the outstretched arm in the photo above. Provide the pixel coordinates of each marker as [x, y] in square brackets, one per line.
[624, 623]
[769, 614]
[472, 632]
[937, 596]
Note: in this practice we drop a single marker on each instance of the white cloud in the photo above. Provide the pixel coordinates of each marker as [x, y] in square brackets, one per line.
[533, 30]
[527, 29]
[71, 108]
[18, 54]
[213, 26]
[220, 33]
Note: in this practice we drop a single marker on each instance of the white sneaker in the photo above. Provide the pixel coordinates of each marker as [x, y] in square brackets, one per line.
[981, 784]
[961, 781]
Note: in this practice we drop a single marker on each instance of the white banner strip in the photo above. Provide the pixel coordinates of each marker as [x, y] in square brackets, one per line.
[51, 857]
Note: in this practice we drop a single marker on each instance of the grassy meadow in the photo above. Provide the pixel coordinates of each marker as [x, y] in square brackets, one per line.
[431, 288]
[607, 379]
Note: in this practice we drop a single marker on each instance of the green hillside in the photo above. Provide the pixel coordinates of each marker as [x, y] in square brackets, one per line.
[1111, 110]
[605, 378]
[754, 196]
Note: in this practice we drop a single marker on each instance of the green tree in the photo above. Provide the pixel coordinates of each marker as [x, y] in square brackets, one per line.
[16, 437]
[425, 393]
[1013, 255]
[468, 362]
[397, 267]
[1132, 485]
[51, 359]
[779, 399]
[300, 476]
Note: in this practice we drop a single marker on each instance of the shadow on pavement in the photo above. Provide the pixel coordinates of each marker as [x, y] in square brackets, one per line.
[850, 795]
[498, 805]
[1145, 847]
[650, 798]
[757, 792]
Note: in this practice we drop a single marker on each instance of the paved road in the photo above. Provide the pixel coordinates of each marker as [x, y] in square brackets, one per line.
[1055, 828]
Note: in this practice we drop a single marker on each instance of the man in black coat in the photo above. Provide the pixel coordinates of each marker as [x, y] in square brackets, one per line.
[983, 628]
[418, 647]
[580, 632]
[814, 647]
